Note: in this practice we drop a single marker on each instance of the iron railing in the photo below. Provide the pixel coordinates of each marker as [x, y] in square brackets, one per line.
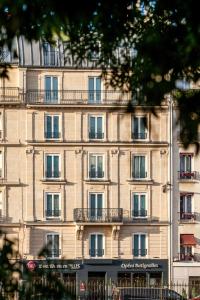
[187, 257]
[77, 97]
[96, 252]
[187, 216]
[52, 174]
[188, 175]
[139, 135]
[52, 213]
[139, 213]
[11, 95]
[139, 252]
[96, 174]
[98, 215]
[96, 135]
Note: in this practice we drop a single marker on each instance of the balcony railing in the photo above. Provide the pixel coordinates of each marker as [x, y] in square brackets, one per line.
[52, 174]
[52, 213]
[96, 252]
[187, 257]
[139, 213]
[77, 97]
[52, 135]
[96, 174]
[139, 175]
[188, 175]
[96, 135]
[139, 135]
[53, 252]
[139, 252]
[187, 216]
[11, 95]
[98, 215]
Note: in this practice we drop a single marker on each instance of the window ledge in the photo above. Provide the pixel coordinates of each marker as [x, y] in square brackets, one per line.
[97, 181]
[54, 181]
[140, 181]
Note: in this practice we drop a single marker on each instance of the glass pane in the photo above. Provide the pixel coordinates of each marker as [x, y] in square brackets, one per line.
[136, 245]
[56, 202]
[56, 166]
[56, 127]
[98, 89]
[135, 205]
[56, 244]
[143, 244]
[100, 166]
[92, 205]
[189, 204]
[136, 172]
[55, 88]
[49, 239]
[47, 88]
[99, 205]
[92, 127]
[143, 205]
[92, 166]
[91, 89]
[99, 127]
[188, 163]
[135, 127]
[182, 163]
[142, 127]
[100, 244]
[49, 204]
[48, 126]
[92, 245]
[182, 204]
[142, 167]
[49, 166]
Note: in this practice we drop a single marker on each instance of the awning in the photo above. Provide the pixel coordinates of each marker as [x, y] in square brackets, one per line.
[188, 240]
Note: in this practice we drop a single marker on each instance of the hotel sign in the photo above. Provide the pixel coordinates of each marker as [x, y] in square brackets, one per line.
[33, 265]
[141, 266]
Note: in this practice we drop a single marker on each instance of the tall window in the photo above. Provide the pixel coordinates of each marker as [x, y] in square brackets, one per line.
[51, 89]
[94, 87]
[139, 245]
[139, 167]
[95, 206]
[52, 205]
[139, 131]
[1, 164]
[96, 245]
[53, 245]
[50, 55]
[186, 166]
[52, 127]
[139, 205]
[96, 166]
[186, 207]
[52, 166]
[96, 127]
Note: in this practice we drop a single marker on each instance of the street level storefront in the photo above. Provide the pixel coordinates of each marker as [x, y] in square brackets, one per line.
[143, 272]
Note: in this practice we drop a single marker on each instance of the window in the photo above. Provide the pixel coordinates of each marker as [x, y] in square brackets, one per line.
[1, 164]
[139, 245]
[186, 207]
[53, 245]
[96, 127]
[139, 205]
[50, 55]
[139, 131]
[96, 245]
[94, 89]
[96, 166]
[186, 253]
[96, 206]
[139, 167]
[52, 127]
[52, 206]
[52, 166]
[51, 89]
[186, 166]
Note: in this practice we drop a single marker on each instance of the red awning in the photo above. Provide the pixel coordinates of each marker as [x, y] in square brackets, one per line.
[188, 240]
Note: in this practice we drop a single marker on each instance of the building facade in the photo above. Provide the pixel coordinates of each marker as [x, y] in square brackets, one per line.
[79, 174]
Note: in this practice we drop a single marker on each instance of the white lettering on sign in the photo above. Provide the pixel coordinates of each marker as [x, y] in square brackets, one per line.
[139, 266]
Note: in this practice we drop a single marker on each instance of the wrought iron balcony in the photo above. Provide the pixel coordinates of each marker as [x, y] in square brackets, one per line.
[52, 135]
[98, 215]
[139, 135]
[139, 252]
[52, 213]
[52, 174]
[139, 213]
[187, 216]
[96, 252]
[53, 252]
[96, 174]
[188, 175]
[96, 135]
[77, 97]
[11, 95]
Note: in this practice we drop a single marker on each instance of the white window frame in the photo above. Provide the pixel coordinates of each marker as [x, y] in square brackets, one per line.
[103, 239]
[89, 202]
[45, 206]
[45, 170]
[53, 234]
[146, 241]
[49, 50]
[146, 166]
[192, 161]
[95, 89]
[146, 129]
[45, 126]
[49, 101]
[103, 131]
[132, 204]
[103, 160]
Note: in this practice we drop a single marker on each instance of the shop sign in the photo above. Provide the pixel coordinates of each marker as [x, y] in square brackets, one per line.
[142, 266]
[32, 265]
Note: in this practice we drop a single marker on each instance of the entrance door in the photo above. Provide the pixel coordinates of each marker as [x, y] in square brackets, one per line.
[96, 286]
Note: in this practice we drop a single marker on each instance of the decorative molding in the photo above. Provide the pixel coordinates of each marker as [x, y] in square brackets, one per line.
[79, 232]
[115, 232]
